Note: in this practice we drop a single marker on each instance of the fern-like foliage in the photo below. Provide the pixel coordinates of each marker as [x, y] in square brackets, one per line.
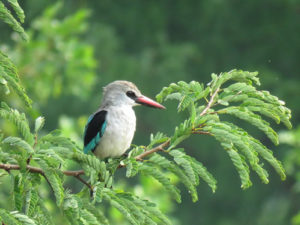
[9, 78]
[10, 19]
[45, 159]
[233, 93]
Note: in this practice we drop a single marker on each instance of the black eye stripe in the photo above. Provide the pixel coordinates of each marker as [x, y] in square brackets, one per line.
[131, 94]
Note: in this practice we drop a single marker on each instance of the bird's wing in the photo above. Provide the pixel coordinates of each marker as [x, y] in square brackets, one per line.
[94, 130]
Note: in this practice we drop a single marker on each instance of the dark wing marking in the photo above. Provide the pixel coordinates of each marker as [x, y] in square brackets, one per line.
[94, 130]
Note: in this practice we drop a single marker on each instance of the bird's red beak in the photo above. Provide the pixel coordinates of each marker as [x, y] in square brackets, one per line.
[143, 100]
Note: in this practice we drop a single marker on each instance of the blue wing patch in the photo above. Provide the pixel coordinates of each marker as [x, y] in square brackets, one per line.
[94, 130]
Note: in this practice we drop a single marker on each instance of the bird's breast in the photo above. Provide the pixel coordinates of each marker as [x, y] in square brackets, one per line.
[120, 129]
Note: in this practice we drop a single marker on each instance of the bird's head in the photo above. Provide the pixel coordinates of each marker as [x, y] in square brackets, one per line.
[126, 93]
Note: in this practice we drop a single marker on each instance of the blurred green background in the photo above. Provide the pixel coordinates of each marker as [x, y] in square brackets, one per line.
[77, 47]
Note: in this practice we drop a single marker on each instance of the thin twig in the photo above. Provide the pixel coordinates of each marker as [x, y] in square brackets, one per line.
[156, 149]
[35, 143]
[73, 173]
[84, 182]
[35, 140]
[46, 178]
[211, 101]
[201, 132]
[208, 106]
[32, 169]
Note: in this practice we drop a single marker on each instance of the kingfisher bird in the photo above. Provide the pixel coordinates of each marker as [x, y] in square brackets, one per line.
[110, 130]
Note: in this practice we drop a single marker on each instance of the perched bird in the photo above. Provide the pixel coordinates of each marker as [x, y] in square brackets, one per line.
[110, 130]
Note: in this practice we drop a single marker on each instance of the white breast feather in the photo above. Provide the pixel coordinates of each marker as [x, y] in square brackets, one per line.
[119, 132]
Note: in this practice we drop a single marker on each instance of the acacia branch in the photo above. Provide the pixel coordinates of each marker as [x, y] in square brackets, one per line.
[210, 103]
[77, 173]
[32, 169]
[78, 177]
[74, 173]
[166, 143]
[156, 149]
[200, 132]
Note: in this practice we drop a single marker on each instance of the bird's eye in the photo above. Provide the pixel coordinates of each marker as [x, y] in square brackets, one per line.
[131, 94]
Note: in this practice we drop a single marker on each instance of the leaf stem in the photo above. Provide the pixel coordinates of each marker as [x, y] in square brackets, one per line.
[157, 148]
[210, 103]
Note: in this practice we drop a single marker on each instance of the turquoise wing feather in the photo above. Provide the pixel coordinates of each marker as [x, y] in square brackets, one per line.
[94, 130]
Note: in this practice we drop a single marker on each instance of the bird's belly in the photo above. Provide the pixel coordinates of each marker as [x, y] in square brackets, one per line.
[117, 136]
[113, 144]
